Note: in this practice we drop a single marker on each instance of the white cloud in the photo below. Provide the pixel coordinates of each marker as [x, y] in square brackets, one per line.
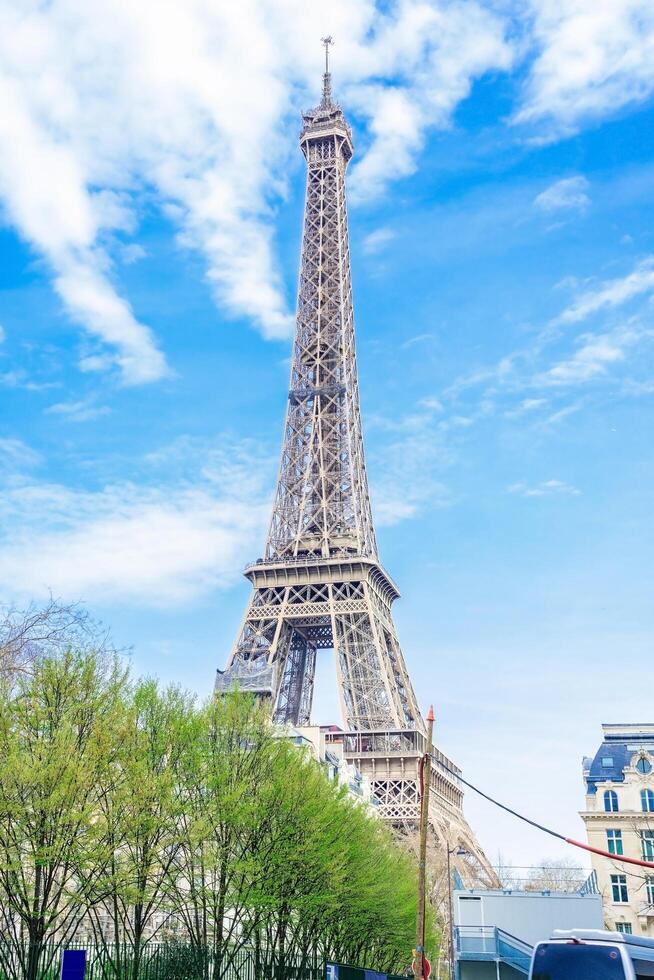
[196, 106]
[592, 58]
[155, 544]
[526, 405]
[567, 194]
[377, 240]
[431, 403]
[432, 53]
[563, 413]
[420, 338]
[406, 467]
[132, 252]
[80, 411]
[612, 293]
[92, 301]
[16, 455]
[20, 379]
[597, 353]
[546, 488]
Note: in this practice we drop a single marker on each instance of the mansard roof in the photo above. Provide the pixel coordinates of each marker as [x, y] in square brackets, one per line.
[620, 744]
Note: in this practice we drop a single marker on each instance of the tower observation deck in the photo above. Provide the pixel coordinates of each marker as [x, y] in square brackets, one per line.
[320, 583]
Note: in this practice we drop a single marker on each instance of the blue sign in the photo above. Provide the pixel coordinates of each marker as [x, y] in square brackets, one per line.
[73, 964]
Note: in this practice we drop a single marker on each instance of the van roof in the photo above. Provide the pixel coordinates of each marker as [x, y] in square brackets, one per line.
[600, 935]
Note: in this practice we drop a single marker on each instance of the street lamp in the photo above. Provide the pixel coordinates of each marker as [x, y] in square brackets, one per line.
[425, 780]
[458, 851]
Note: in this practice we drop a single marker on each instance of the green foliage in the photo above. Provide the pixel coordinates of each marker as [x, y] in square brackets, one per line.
[56, 741]
[132, 814]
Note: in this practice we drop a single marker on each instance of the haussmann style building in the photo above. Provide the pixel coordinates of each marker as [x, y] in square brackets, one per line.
[619, 818]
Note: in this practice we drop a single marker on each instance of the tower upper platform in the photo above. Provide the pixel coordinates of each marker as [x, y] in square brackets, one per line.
[327, 119]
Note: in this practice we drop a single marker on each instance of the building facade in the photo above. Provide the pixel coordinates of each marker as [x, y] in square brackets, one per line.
[336, 767]
[619, 818]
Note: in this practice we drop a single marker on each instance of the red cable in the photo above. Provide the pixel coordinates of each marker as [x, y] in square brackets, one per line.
[614, 857]
[546, 830]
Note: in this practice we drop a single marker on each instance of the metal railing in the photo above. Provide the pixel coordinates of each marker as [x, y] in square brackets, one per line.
[491, 943]
[176, 960]
[161, 961]
[590, 886]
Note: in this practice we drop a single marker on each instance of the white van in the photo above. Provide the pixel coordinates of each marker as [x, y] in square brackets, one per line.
[590, 954]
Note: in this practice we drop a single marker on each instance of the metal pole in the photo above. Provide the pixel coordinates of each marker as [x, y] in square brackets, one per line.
[418, 970]
[449, 911]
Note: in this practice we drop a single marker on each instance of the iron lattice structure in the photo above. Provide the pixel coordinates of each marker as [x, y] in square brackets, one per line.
[320, 584]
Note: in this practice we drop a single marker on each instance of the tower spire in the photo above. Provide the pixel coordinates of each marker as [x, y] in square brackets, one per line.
[327, 78]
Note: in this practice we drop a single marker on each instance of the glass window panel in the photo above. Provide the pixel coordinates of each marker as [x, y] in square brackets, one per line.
[619, 889]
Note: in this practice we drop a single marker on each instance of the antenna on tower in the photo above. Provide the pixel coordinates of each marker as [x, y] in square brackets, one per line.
[327, 78]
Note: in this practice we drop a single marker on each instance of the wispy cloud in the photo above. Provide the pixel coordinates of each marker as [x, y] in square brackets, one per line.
[132, 252]
[407, 466]
[20, 379]
[547, 488]
[199, 104]
[591, 60]
[563, 413]
[420, 338]
[377, 240]
[525, 406]
[568, 194]
[597, 353]
[16, 455]
[611, 293]
[169, 541]
[79, 411]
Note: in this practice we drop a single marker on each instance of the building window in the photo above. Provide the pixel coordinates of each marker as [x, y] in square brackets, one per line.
[650, 890]
[647, 800]
[644, 766]
[614, 841]
[607, 762]
[619, 888]
[611, 801]
[647, 841]
[624, 927]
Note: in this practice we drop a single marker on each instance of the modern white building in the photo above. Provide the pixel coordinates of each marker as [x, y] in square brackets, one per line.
[619, 818]
[495, 930]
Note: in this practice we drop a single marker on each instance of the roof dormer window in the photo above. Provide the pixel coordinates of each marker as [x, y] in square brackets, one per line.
[644, 766]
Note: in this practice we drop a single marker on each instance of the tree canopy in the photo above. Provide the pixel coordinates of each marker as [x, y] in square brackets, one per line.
[130, 813]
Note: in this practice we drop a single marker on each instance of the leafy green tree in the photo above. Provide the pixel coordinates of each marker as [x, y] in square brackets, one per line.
[133, 809]
[56, 733]
[142, 805]
[231, 785]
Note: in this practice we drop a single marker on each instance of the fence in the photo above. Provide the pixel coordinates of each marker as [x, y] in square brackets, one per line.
[176, 961]
[161, 961]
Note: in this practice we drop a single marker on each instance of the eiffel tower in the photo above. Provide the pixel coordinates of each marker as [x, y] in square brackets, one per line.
[320, 584]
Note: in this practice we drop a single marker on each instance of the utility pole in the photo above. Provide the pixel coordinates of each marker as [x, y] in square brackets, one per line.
[425, 779]
[450, 911]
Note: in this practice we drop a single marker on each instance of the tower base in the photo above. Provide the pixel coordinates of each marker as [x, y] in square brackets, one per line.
[390, 759]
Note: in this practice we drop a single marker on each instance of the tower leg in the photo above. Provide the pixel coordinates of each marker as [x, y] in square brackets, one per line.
[296, 688]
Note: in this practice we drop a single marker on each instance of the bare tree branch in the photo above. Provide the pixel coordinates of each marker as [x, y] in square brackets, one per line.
[26, 635]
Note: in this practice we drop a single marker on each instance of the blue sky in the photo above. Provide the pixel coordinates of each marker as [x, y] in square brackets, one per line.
[502, 199]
